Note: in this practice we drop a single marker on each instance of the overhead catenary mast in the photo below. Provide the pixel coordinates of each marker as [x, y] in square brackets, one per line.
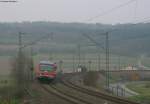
[106, 48]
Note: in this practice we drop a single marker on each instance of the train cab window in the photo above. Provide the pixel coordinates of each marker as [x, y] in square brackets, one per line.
[46, 67]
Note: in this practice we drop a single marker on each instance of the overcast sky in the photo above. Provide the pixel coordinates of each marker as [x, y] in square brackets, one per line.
[73, 11]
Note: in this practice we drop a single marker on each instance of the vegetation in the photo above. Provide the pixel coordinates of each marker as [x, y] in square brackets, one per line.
[10, 101]
[62, 46]
[124, 41]
[8, 92]
[13, 84]
[71, 61]
[147, 85]
[146, 61]
[143, 89]
[91, 78]
[21, 72]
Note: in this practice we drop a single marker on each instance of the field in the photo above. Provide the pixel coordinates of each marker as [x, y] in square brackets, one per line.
[90, 60]
[5, 65]
[143, 89]
[69, 63]
[7, 88]
[146, 62]
[5, 70]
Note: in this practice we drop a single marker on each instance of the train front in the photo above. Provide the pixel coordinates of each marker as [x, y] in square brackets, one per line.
[46, 71]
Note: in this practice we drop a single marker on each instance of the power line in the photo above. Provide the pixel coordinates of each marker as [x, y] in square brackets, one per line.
[135, 9]
[146, 19]
[107, 54]
[34, 42]
[111, 10]
[99, 45]
[8, 1]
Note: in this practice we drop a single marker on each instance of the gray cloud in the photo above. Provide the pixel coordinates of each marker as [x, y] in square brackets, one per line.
[72, 11]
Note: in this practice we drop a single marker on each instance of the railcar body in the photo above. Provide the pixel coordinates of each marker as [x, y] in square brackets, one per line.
[46, 71]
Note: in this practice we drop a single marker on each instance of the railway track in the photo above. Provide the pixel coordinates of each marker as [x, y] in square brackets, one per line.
[59, 94]
[49, 96]
[78, 95]
[66, 92]
[28, 92]
[113, 99]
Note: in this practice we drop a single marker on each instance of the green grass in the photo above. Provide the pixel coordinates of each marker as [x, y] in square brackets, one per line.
[141, 99]
[146, 62]
[6, 81]
[143, 89]
[140, 88]
[8, 90]
[10, 101]
[114, 79]
[8, 95]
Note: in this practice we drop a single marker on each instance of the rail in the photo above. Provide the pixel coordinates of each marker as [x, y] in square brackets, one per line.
[105, 96]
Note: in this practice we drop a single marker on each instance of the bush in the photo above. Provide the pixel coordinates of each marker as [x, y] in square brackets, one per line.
[10, 101]
[141, 99]
[90, 79]
[147, 85]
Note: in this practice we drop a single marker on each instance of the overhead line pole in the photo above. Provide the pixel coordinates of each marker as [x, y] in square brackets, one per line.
[32, 64]
[119, 63]
[106, 51]
[19, 68]
[21, 46]
[107, 59]
[20, 42]
[99, 61]
[79, 54]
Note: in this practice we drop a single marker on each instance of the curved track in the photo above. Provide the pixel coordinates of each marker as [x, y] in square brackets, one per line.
[78, 95]
[59, 95]
[66, 92]
[113, 99]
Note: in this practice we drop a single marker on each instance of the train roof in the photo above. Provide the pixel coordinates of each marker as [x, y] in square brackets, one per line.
[46, 62]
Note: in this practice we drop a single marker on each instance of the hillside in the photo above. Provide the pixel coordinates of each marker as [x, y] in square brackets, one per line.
[129, 39]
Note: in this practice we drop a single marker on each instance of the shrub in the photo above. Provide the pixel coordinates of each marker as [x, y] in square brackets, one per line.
[147, 85]
[90, 79]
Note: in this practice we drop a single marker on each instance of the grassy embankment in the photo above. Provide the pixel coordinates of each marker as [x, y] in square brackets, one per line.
[143, 89]
[6, 82]
[8, 91]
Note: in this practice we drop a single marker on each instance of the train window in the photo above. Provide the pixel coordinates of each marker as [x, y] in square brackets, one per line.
[46, 67]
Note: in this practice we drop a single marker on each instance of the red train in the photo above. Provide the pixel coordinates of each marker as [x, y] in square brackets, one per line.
[46, 71]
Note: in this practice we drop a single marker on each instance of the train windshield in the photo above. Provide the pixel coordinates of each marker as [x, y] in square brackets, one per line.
[46, 67]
